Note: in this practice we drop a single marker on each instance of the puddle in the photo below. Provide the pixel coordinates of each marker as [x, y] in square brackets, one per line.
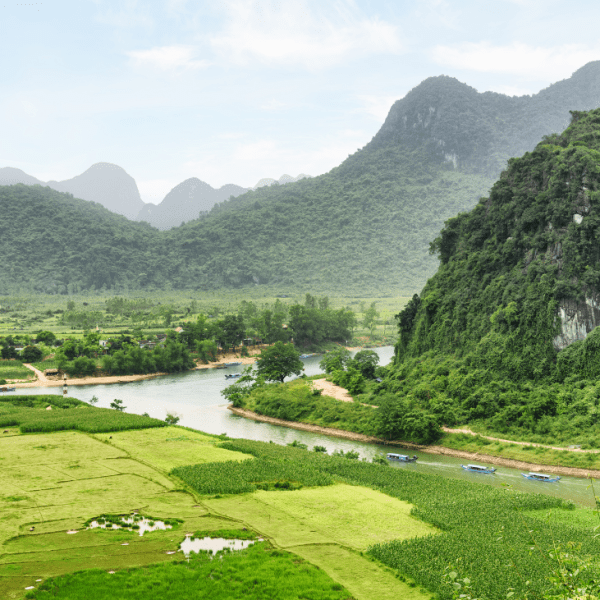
[133, 523]
[71, 532]
[30, 587]
[213, 545]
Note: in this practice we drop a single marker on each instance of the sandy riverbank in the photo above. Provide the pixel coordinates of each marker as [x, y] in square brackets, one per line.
[468, 456]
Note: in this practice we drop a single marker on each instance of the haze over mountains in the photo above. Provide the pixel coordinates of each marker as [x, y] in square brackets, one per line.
[363, 227]
[113, 188]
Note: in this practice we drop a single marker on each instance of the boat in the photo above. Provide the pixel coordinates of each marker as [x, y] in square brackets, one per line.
[7, 389]
[233, 364]
[540, 477]
[402, 457]
[478, 469]
[233, 375]
[306, 355]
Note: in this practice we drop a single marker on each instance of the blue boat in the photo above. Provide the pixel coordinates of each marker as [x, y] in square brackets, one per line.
[233, 375]
[478, 469]
[402, 457]
[306, 355]
[233, 364]
[540, 477]
[8, 389]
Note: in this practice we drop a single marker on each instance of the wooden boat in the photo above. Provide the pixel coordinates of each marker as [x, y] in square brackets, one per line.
[540, 477]
[233, 375]
[478, 469]
[402, 457]
[7, 389]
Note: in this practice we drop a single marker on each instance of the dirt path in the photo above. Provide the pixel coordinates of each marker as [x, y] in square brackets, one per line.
[41, 377]
[358, 437]
[495, 439]
[330, 389]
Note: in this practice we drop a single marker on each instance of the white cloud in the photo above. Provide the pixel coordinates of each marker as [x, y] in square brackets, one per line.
[541, 63]
[294, 33]
[168, 57]
[378, 106]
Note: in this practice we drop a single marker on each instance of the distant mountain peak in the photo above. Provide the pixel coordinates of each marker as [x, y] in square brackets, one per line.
[283, 180]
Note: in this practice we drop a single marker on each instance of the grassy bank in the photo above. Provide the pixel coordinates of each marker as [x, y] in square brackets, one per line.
[296, 401]
[526, 453]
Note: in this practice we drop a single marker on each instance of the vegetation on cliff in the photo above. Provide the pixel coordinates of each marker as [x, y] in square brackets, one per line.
[480, 342]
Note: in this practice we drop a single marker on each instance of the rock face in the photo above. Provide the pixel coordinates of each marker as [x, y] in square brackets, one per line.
[106, 184]
[185, 202]
[578, 319]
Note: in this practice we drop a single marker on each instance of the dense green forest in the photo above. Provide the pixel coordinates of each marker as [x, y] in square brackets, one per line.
[492, 336]
[365, 226]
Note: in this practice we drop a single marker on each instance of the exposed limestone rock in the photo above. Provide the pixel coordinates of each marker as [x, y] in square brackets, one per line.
[578, 319]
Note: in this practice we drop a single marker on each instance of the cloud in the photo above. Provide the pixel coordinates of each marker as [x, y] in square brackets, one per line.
[541, 63]
[294, 33]
[168, 58]
[378, 106]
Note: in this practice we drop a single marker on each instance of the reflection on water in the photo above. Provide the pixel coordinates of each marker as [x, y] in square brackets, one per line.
[212, 544]
[196, 398]
[144, 524]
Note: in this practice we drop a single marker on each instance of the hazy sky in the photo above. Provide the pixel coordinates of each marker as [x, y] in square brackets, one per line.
[231, 91]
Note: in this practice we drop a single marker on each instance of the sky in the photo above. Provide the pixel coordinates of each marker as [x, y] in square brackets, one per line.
[232, 91]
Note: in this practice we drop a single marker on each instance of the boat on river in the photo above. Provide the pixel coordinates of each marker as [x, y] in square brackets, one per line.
[479, 469]
[233, 375]
[233, 364]
[306, 355]
[540, 477]
[7, 389]
[402, 457]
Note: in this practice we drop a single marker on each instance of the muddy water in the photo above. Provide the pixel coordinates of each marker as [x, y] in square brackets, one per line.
[196, 398]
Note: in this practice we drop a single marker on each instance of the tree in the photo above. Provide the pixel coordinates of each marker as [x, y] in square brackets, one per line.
[366, 362]
[232, 330]
[278, 362]
[171, 419]
[31, 354]
[335, 360]
[47, 337]
[118, 405]
[370, 318]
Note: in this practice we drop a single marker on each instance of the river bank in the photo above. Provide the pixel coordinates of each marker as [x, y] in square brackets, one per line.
[439, 450]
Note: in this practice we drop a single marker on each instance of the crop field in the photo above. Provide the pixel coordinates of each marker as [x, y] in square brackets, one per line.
[351, 516]
[54, 482]
[14, 369]
[30, 414]
[171, 447]
[256, 573]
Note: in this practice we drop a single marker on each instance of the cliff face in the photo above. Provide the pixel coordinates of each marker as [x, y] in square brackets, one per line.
[578, 319]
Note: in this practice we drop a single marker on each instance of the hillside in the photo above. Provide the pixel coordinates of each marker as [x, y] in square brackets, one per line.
[367, 224]
[362, 228]
[504, 332]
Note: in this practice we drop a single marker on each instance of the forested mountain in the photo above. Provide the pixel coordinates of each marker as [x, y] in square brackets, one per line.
[365, 226]
[506, 328]
[185, 202]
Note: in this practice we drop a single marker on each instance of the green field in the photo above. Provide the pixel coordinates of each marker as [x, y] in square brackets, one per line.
[14, 369]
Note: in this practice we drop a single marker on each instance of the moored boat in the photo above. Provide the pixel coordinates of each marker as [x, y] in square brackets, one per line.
[479, 469]
[540, 477]
[233, 375]
[232, 364]
[7, 389]
[402, 457]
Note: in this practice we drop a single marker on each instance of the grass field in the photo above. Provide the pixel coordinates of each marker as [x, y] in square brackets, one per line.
[54, 482]
[170, 447]
[14, 369]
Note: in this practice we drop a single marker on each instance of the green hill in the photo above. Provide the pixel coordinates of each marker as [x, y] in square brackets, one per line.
[504, 332]
[363, 228]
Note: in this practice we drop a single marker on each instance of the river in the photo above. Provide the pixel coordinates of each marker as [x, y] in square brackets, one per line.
[195, 397]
